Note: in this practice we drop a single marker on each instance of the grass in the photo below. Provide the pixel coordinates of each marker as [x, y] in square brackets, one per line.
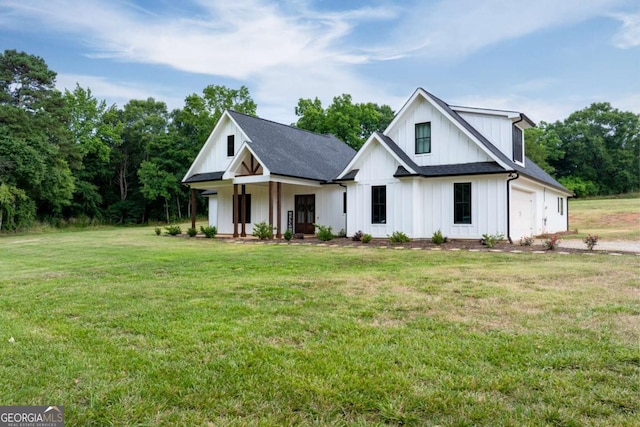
[126, 328]
[609, 218]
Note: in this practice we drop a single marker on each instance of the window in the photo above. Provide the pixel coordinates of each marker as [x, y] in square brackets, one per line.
[379, 204]
[344, 202]
[423, 138]
[517, 144]
[231, 149]
[462, 203]
[240, 207]
[560, 205]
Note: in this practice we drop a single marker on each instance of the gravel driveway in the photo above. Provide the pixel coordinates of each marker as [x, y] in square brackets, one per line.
[607, 245]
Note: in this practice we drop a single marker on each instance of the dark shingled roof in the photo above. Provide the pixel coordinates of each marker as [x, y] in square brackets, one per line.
[289, 151]
[202, 177]
[349, 176]
[479, 168]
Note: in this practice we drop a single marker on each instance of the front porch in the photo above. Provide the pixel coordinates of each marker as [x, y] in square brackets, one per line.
[283, 203]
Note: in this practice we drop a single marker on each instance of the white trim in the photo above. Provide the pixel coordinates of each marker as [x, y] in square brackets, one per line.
[425, 95]
[235, 163]
[366, 146]
[210, 140]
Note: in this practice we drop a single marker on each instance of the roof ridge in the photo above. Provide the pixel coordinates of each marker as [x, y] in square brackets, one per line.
[281, 124]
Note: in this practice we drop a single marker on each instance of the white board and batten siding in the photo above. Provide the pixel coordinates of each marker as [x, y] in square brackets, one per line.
[328, 204]
[419, 206]
[536, 209]
[497, 129]
[213, 155]
[449, 145]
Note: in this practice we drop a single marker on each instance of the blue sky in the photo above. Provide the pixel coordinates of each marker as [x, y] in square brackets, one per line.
[546, 58]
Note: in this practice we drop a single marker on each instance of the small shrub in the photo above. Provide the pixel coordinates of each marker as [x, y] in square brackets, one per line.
[551, 243]
[342, 233]
[324, 233]
[438, 238]
[173, 230]
[366, 238]
[262, 231]
[158, 231]
[591, 241]
[490, 240]
[526, 241]
[398, 237]
[288, 235]
[209, 231]
[357, 236]
[192, 231]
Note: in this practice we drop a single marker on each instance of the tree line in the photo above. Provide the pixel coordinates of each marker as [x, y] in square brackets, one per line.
[70, 157]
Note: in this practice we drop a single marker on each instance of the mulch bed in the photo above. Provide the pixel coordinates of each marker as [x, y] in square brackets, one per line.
[424, 244]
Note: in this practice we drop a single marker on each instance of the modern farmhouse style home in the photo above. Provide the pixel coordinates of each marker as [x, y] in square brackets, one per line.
[459, 170]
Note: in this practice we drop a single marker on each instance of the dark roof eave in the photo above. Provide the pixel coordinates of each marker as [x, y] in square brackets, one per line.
[444, 175]
[204, 177]
[542, 182]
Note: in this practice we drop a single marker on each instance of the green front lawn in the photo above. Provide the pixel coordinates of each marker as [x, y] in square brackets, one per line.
[126, 328]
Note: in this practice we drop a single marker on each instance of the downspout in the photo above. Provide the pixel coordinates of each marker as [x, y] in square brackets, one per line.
[511, 178]
[346, 210]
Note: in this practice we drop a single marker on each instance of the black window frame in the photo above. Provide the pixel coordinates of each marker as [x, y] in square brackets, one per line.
[231, 145]
[517, 141]
[462, 209]
[422, 139]
[561, 205]
[378, 204]
[247, 212]
[344, 202]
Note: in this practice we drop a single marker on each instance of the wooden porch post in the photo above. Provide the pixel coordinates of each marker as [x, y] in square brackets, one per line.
[193, 208]
[271, 206]
[243, 232]
[279, 211]
[235, 210]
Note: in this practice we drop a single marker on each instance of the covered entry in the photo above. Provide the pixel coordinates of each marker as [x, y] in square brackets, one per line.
[305, 213]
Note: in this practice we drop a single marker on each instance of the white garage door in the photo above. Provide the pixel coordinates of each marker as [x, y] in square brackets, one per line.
[522, 214]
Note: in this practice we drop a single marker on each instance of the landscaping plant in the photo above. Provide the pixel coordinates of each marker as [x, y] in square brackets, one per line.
[324, 233]
[551, 243]
[262, 231]
[398, 237]
[438, 238]
[209, 231]
[591, 241]
[173, 230]
[490, 240]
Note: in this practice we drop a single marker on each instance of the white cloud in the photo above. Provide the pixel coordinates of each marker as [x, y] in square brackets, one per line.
[457, 28]
[238, 39]
[629, 34]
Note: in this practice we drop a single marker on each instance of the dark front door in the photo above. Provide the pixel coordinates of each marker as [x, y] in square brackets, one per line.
[305, 213]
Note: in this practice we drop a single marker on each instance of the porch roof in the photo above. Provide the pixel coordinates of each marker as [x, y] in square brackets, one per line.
[202, 177]
[289, 151]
